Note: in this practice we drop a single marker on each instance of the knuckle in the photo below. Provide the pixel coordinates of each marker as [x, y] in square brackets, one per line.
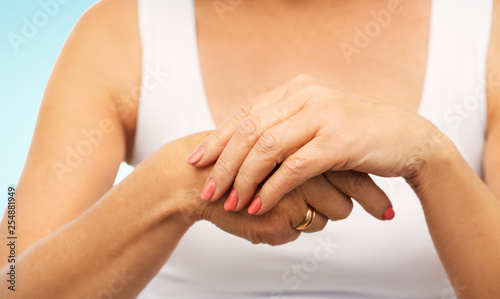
[266, 233]
[293, 235]
[272, 238]
[267, 143]
[345, 210]
[215, 140]
[322, 223]
[298, 199]
[358, 183]
[318, 225]
[277, 234]
[255, 237]
[294, 165]
[302, 78]
[293, 205]
[245, 181]
[315, 93]
[276, 242]
[276, 226]
[248, 128]
[224, 167]
[244, 112]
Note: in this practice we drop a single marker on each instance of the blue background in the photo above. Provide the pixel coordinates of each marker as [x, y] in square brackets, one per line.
[23, 75]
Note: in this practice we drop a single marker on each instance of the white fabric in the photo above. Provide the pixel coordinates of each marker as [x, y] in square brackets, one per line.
[356, 258]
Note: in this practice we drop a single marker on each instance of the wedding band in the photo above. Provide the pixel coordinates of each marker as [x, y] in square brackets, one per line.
[311, 214]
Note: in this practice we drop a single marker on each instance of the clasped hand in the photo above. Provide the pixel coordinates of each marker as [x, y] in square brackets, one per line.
[310, 130]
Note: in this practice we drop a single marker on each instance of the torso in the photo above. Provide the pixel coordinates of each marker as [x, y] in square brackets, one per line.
[255, 48]
[250, 52]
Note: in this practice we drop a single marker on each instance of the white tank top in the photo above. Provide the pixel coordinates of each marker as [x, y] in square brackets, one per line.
[359, 257]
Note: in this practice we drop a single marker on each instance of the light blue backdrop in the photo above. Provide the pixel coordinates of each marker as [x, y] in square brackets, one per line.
[31, 35]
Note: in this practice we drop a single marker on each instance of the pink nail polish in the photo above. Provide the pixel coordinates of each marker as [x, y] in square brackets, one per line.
[388, 214]
[255, 206]
[195, 156]
[208, 190]
[231, 201]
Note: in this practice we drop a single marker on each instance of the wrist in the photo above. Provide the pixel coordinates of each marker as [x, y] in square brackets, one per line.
[180, 184]
[434, 156]
[150, 192]
[177, 194]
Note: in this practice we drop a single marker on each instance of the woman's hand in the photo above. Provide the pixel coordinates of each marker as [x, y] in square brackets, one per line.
[274, 228]
[311, 127]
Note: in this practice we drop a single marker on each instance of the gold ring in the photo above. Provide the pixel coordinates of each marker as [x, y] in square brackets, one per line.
[311, 214]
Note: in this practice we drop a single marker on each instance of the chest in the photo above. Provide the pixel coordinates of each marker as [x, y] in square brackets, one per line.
[376, 49]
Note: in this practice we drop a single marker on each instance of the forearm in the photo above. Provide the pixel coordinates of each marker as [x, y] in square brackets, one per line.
[463, 217]
[116, 246]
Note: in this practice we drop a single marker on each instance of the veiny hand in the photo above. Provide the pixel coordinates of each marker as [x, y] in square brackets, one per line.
[312, 127]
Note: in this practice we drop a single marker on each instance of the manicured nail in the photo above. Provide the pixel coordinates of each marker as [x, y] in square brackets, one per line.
[208, 190]
[388, 214]
[195, 156]
[231, 201]
[255, 206]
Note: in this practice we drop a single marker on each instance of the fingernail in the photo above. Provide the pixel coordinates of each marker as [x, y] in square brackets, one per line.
[388, 214]
[195, 156]
[208, 190]
[231, 201]
[255, 206]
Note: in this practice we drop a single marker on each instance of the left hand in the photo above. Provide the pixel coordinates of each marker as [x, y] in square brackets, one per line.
[311, 127]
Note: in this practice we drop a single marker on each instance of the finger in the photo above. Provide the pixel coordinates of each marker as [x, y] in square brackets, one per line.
[244, 138]
[295, 203]
[319, 222]
[363, 189]
[306, 163]
[325, 198]
[209, 149]
[273, 146]
[274, 228]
